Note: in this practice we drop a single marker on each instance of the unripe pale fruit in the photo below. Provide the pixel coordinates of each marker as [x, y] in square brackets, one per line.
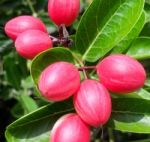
[63, 11]
[121, 73]
[59, 81]
[32, 42]
[70, 128]
[20, 24]
[93, 103]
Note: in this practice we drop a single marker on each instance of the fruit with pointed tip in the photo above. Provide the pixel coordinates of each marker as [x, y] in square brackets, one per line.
[70, 128]
[20, 24]
[93, 103]
[59, 81]
[63, 11]
[32, 42]
[121, 73]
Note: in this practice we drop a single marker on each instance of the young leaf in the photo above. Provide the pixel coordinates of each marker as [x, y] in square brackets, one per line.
[104, 25]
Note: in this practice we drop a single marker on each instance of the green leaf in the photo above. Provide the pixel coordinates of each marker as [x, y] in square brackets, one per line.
[48, 57]
[124, 44]
[27, 103]
[144, 140]
[145, 31]
[130, 115]
[141, 94]
[27, 83]
[17, 111]
[24, 106]
[15, 68]
[147, 1]
[104, 25]
[140, 49]
[36, 126]
[147, 11]
[147, 82]
[5, 43]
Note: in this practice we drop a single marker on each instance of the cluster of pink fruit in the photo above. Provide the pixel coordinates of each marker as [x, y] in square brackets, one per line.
[59, 81]
[30, 34]
[92, 101]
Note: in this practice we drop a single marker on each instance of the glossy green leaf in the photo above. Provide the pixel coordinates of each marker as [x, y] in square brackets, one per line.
[48, 57]
[101, 29]
[141, 94]
[130, 115]
[124, 44]
[36, 126]
[140, 49]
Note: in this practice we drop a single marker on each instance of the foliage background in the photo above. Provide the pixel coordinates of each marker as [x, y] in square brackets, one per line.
[17, 92]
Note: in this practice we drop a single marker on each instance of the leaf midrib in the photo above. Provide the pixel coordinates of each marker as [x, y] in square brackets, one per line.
[130, 112]
[46, 116]
[84, 55]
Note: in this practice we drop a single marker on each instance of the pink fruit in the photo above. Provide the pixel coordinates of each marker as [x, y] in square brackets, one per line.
[121, 73]
[63, 11]
[32, 42]
[59, 81]
[70, 128]
[93, 103]
[21, 24]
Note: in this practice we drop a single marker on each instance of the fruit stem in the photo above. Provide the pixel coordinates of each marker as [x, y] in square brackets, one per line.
[63, 33]
[111, 136]
[32, 8]
[66, 42]
[64, 36]
[85, 75]
[87, 68]
[81, 64]
[96, 131]
[54, 40]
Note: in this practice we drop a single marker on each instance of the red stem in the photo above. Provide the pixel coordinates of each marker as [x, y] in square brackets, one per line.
[87, 68]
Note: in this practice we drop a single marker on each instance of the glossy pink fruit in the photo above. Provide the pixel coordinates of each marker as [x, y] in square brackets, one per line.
[21, 24]
[121, 73]
[63, 11]
[70, 128]
[59, 81]
[32, 42]
[93, 103]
